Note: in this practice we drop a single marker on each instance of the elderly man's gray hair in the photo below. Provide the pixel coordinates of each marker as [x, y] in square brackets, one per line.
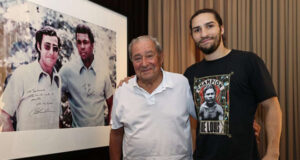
[154, 40]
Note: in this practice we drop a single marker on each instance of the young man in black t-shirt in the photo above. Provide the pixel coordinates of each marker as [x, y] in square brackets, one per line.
[241, 82]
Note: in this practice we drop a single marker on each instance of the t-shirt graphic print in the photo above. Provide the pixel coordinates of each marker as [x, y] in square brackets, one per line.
[211, 95]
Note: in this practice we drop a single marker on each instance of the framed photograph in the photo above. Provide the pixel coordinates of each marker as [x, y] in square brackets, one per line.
[54, 44]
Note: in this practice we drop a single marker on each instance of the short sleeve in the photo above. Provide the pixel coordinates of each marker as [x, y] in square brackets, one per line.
[63, 77]
[12, 94]
[260, 79]
[116, 113]
[108, 88]
[190, 101]
[187, 74]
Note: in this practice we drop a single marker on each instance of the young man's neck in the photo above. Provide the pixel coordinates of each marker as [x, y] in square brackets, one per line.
[220, 52]
[88, 62]
[46, 69]
[150, 86]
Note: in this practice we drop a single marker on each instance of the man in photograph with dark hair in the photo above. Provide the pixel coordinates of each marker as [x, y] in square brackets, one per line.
[244, 83]
[86, 87]
[33, 91]
[210, 109]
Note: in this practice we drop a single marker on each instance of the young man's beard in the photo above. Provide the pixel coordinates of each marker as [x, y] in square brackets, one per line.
[211, 49]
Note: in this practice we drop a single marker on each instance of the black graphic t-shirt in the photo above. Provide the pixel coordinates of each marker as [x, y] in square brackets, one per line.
[226, 93]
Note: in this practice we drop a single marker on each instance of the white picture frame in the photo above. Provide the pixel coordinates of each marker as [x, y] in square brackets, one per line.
[42, 142]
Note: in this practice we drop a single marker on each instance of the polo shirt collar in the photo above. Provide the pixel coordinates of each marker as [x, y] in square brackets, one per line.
[40, 73]
[167, 82]
[79, 66]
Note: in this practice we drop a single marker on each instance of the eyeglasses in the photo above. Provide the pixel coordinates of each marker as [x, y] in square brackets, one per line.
[47, 46]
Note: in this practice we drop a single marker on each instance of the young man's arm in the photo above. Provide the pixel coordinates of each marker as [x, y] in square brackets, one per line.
[273, 124]
[109, 103]
[115, 143]
[257, 129]
[5, 121]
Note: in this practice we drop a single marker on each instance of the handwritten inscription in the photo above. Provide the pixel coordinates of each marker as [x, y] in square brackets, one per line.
[90, 91]
[42, 101]
[41, 110]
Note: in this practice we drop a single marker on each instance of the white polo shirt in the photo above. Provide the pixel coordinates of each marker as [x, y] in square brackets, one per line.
[156, 125]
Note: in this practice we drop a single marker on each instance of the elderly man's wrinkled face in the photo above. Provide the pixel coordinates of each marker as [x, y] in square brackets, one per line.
[146, 60]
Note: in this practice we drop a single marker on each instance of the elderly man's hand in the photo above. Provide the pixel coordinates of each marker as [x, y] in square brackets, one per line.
[125, 80]
[257, 129]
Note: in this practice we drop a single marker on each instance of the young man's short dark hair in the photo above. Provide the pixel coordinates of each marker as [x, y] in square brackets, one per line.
[209, 87]
[212, 11]
[207, 10]
[82, 28]
[46, 30]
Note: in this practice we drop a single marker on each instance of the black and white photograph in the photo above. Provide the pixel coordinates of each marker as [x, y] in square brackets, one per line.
[212, 104]
[49, 56]
[210, 109]
[59, 69]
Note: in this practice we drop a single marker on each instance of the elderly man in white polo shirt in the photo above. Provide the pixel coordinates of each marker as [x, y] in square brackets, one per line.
[150, 117]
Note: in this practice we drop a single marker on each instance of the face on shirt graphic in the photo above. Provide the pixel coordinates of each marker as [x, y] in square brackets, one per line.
[210, 109]
[212, 103]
